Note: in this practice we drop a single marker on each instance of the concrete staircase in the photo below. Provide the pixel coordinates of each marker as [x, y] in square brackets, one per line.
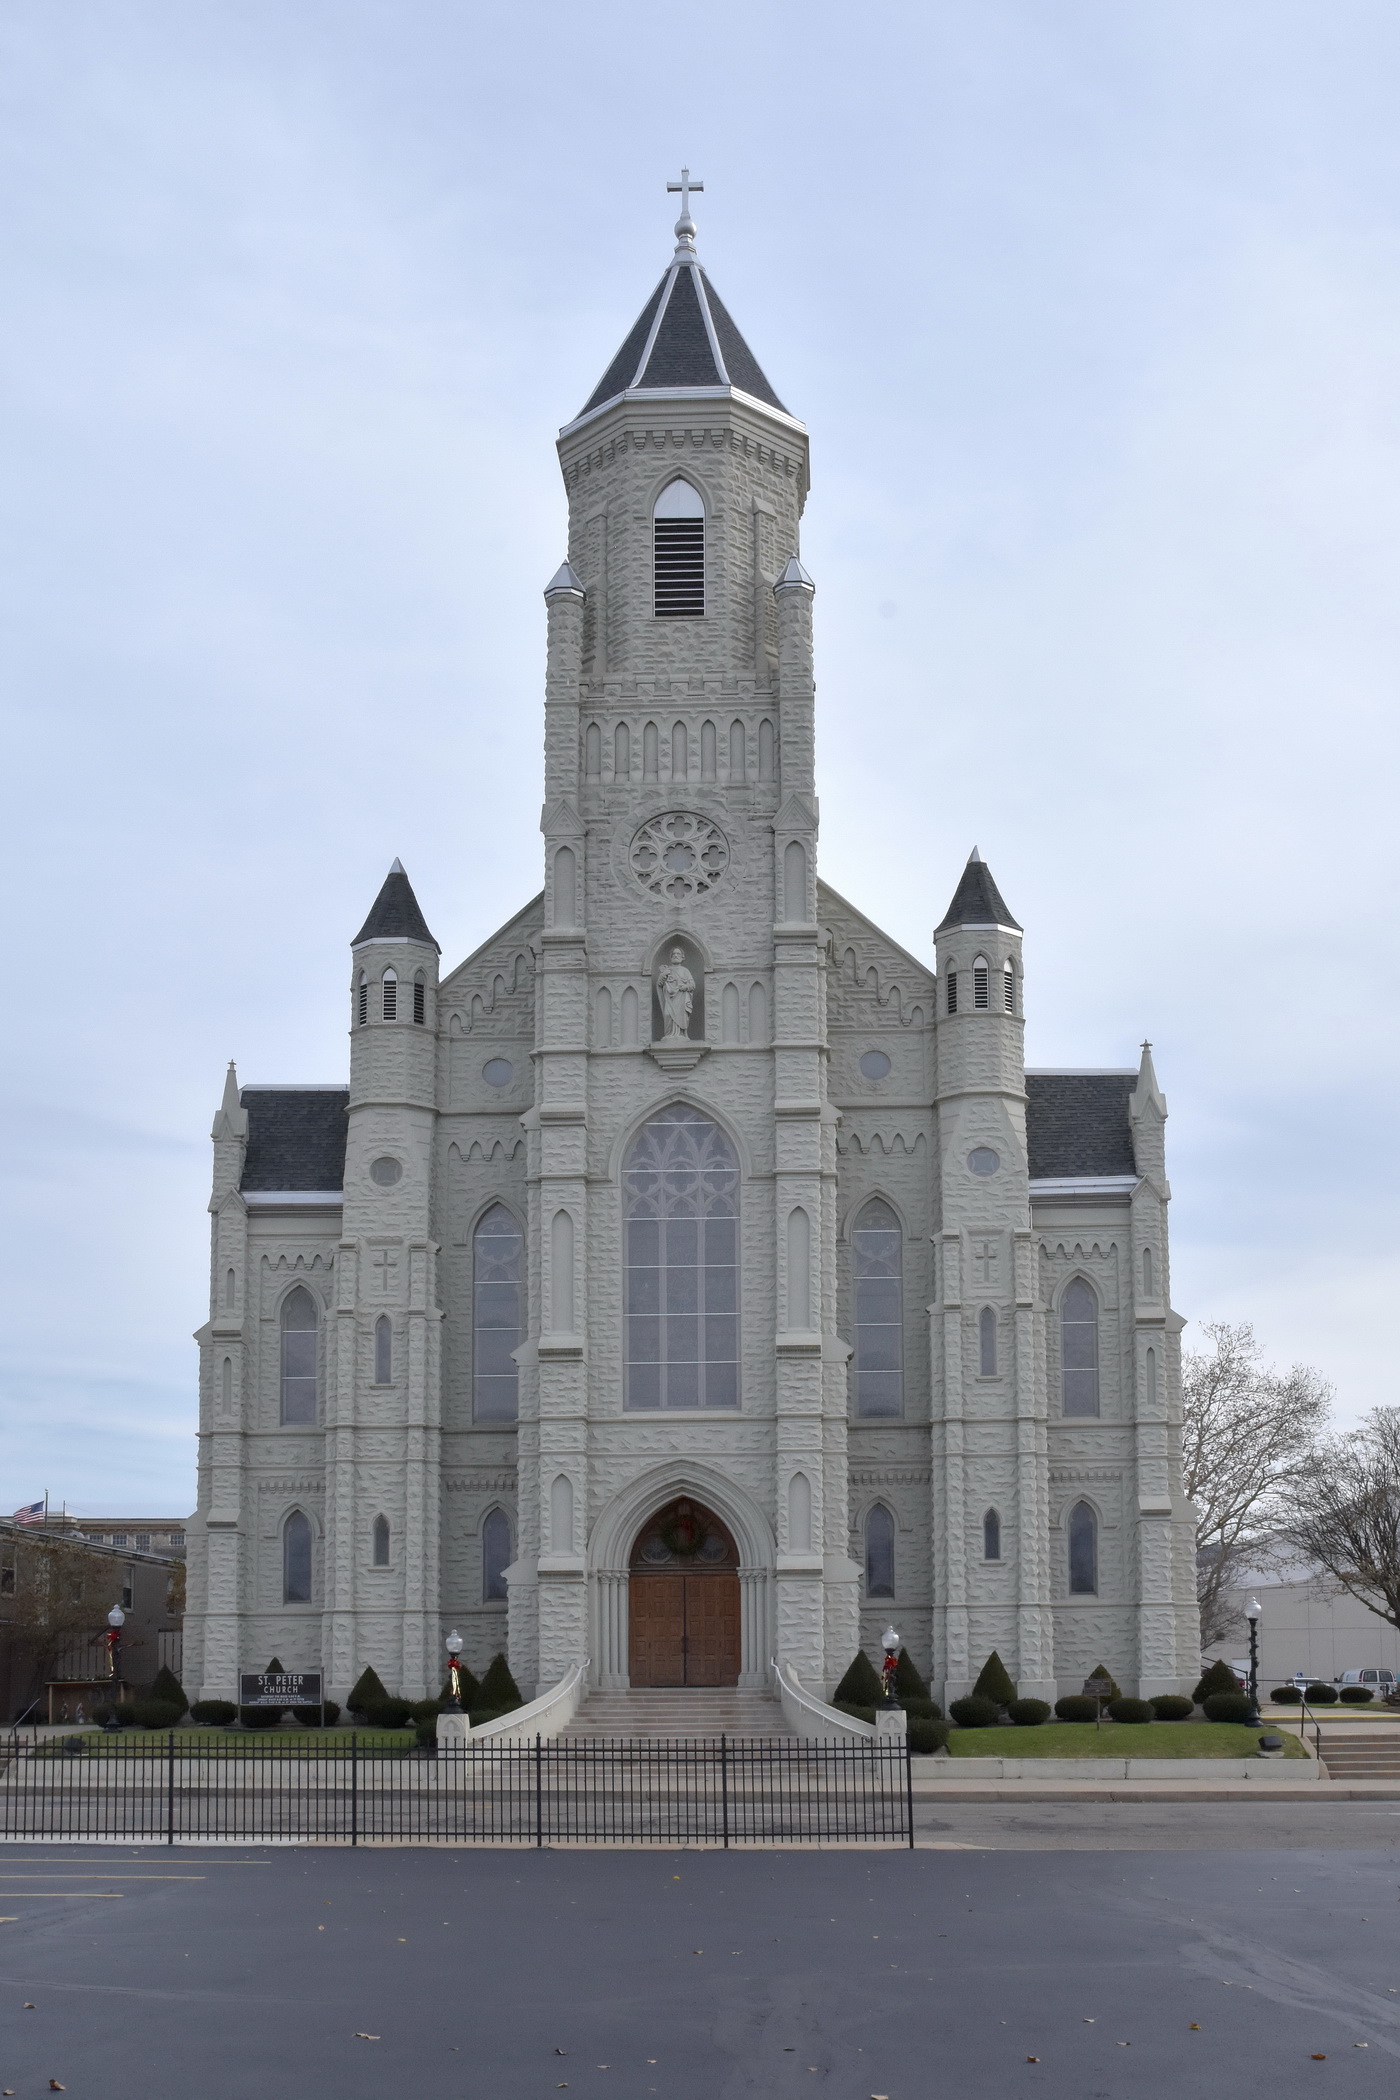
[1348, 1754]
[658, 1716]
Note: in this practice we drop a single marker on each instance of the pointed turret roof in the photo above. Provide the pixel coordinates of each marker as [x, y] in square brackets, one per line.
[395, 914]
[976, 901]
[684, 337]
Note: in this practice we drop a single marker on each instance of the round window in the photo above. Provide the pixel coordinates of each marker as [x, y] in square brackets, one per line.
[386, 1172]
[498, 1071]
[875, 1065]
[982, 1160]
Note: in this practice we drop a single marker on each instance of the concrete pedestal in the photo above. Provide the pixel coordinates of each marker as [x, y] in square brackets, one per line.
[453, 1729]
[891, 1721]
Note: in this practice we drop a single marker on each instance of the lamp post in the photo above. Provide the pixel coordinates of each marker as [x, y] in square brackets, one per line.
[1252, 1612]
[889, 1641]
[454, 1666]
[116, 1619]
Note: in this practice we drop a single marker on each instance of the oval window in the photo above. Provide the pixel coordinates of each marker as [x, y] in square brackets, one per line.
[875, 1065]
[386, 1172]
[498, 1071]
[982, 1160]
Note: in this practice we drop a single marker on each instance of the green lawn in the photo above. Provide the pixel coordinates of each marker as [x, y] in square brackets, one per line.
[218, 1742]
[1116, 1739]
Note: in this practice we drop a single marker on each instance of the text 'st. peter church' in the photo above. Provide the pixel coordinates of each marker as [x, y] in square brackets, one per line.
[690, 1228]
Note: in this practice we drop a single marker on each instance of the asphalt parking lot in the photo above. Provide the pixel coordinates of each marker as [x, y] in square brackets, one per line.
[983, 1970]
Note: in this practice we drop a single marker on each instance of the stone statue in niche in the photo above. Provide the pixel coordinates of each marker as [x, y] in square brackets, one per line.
[675, 990]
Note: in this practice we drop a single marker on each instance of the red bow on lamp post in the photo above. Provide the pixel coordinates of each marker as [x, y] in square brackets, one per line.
[453, 1645]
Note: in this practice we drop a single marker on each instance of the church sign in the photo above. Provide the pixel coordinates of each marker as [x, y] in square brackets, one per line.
[280, 1688]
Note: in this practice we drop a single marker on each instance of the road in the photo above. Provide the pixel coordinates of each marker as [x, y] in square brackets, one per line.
[1176, 1966]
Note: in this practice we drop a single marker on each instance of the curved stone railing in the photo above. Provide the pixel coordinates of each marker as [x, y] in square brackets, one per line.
[547, 1715]
[811, 1717]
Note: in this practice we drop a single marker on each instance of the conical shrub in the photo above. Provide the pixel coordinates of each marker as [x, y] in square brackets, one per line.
[499, 1690]
[908, 1684]
[1102, 1684]
[1218, 1678]
[994, 1682]
[861, 1684]
[366, 1693]
[169, 1690]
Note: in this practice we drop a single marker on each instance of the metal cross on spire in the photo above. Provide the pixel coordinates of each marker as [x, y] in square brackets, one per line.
[685, 225]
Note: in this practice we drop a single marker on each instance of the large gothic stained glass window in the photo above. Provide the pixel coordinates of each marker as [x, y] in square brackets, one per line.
[877, 1252]
[498, 1250]
[681, 1204]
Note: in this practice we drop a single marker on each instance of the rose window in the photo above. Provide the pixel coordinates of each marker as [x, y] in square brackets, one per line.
[679, 856]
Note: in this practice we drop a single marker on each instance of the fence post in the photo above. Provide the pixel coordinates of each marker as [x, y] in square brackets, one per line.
[170, 1788]
[724, 1782]
[354, 1786]
[909, 1788]
[539, 1792]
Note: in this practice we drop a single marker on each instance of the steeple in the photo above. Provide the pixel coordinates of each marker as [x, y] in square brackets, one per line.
[684, 340]
[395, 914]
[977, 901]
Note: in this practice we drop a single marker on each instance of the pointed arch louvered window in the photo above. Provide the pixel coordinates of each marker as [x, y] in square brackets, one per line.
[678, 552]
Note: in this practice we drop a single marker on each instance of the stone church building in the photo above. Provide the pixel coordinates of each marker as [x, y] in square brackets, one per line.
[690, 1277]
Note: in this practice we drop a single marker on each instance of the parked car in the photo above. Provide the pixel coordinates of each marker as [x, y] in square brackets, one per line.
[1381, 1682]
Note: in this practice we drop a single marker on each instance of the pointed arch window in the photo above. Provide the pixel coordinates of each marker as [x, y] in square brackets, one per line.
[299, 1351]
[681, 1196]
[362, 1000]
[380, 1548]
[1083, 1551]
[495, 1555]
[952, 991]
[1008, 987]
[987, 1342]
[981, 984]
[420, 1000]
[1079, 1350]
[879, 1552]
[390, 988]
[296, 1559]
[498, 1270]
[678, 552]
[383, 1350]
[991, 1536]
[877, 1253]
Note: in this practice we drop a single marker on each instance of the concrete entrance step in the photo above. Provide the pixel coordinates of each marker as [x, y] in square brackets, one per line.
[662, 1715]
[1351, 1756]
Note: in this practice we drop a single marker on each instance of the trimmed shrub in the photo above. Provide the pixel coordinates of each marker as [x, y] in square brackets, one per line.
[366, 1692]
[1029, 1713]
[310, 1716]
[155, 1713]
[1131, 1711]
[1077, 1706]
[993, 1682]
[169, 1688]
[1228, 1706]
[1321, 1695]
[389, 1713]
[1286, 1695]
[922, 1709]
[861, 1683]
[908, 1684]
[260, 1716]
[1102, 1681]
[124, 1715]
[926, 1736]
[214, 1713]
[1172, 1706]
[1218, 1678]
[859, 1713]
[975, 1713]
[499, 1689]
[1356, 1695]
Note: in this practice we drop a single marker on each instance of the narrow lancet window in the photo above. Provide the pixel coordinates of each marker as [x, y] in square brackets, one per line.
[877, 1258]
[383, 1350]
[678, 552]
[296, 1559]
[498, 1249]
[390, 988]
[1083, 1551]
[987, 1342]
[991, 1536]
[952, 991]
[1008, 988]
[879, 1552]
[981, 984]
[420, 1000]
[299, 1339]
[1079, 1350]
[381, 1542]
[495, 1555]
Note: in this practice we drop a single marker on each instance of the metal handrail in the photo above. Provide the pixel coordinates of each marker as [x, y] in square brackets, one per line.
[1308, 1714]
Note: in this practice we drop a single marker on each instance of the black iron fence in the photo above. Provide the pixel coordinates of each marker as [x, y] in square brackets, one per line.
[191, 1787]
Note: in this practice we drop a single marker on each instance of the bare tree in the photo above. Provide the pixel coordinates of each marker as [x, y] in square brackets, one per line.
[1347, 1519]
[1247, 1431]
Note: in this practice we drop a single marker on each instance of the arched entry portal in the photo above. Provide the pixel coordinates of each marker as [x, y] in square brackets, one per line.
[684, 1599]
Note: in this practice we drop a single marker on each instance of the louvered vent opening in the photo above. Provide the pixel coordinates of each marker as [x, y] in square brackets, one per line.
[391, 996]
[980, 985]
[679, 552]
[952, 991]
[420, 1001]
[363, 1015]
[1008, 983]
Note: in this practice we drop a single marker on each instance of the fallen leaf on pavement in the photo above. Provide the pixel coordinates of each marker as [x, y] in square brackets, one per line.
[1195, 2027]
[365, 2037]
[1032, 2059]
[55, 2087]
[1318, 2059]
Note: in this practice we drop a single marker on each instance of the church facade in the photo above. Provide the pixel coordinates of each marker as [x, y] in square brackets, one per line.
[691, 1278]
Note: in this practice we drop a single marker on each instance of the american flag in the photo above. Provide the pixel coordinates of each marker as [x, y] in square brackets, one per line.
[32, 1513]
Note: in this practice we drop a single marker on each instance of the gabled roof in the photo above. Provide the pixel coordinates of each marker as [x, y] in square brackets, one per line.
[976, 901]
[395, 914]
[684, 337]
[296, 1137]
[1077, 1124]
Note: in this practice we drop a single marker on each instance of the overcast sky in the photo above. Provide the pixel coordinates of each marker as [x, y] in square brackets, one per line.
[1092, 312]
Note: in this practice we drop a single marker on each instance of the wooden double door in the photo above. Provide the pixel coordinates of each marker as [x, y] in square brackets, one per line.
[683, 1599]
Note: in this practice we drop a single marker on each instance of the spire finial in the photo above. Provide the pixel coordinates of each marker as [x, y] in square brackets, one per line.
[685, 225]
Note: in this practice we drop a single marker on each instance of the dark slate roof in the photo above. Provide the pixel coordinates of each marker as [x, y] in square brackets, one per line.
[296, 1137]
[1077, 1124]
[395, 914]
[682, 353]
[976, 901]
